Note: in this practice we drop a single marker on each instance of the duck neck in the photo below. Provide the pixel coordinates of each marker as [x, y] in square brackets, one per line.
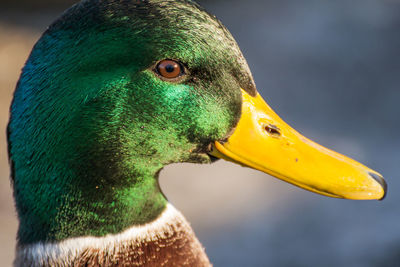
[93, 204]
[167, 241]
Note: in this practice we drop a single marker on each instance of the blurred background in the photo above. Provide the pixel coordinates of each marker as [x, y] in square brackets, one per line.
[331, 69]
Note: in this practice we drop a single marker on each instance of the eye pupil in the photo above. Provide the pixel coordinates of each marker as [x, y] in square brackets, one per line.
[169, 69]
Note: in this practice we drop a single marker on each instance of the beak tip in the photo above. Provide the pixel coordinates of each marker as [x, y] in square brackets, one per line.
[381, 181]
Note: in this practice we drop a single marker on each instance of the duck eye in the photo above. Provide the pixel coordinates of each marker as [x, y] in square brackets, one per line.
[170, 69]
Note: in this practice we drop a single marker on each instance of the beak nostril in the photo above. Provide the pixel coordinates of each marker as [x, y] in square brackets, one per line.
[272, 130]
[381, 181]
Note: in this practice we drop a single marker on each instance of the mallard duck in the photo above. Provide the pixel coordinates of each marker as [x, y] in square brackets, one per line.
[114, 91]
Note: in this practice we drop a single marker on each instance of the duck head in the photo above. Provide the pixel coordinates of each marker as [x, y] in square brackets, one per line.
[116, 90]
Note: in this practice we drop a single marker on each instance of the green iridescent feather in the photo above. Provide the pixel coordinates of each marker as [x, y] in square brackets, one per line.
[92, 125]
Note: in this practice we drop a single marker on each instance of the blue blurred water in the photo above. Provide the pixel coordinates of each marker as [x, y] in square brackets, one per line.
[317, 231]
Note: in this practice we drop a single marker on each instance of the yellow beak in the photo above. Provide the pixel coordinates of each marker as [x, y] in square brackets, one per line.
[263, 141]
